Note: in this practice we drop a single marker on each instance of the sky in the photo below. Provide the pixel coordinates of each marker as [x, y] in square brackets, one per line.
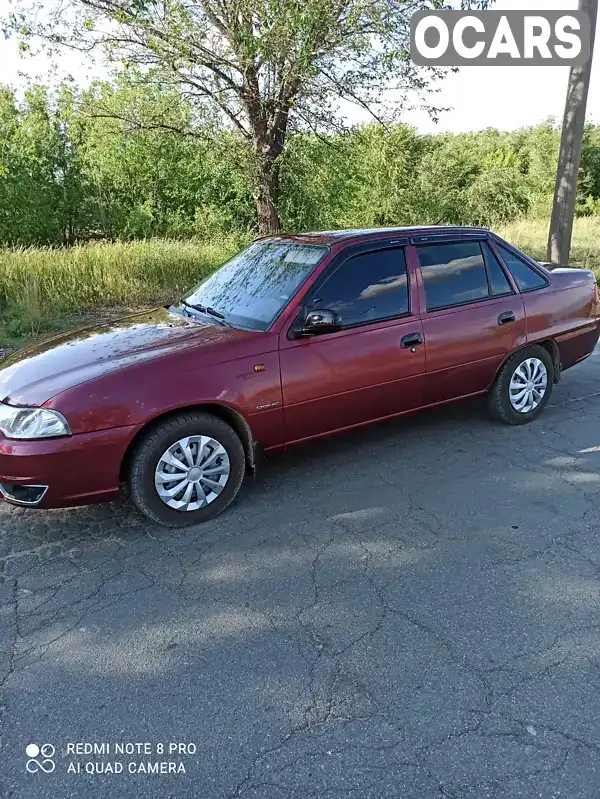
[478, 97]
[509, 97]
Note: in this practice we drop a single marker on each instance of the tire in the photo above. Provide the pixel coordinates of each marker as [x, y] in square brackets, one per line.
[500, 405]
[146, 479]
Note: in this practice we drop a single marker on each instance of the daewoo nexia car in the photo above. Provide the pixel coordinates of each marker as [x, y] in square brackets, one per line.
[296, 337]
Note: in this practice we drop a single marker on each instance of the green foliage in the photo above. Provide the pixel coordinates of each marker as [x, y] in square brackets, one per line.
[264, 68]
[121, 161]
[132, 160]
[589, 172]
[40, 171]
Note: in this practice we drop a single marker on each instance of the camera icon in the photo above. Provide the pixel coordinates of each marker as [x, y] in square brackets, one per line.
[40, 758]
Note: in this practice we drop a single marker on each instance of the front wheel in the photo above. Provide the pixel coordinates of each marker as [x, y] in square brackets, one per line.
[523, 386]
[187, 469]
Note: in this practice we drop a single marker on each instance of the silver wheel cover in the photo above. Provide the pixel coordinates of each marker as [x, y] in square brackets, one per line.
[528, 385]
[192, 473]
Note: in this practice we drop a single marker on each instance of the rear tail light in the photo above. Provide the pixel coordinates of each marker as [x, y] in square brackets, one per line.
[596, 295]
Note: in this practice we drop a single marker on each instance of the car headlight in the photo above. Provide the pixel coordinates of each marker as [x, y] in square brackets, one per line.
[32, 423]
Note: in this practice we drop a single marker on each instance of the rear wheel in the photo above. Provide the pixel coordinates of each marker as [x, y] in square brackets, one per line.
[187, 469]
[523, 386]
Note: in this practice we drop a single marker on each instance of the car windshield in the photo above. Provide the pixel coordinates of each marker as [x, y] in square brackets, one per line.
[254, 287]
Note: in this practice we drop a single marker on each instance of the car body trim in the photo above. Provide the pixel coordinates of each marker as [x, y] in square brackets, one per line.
[434, 238]
[5, 492]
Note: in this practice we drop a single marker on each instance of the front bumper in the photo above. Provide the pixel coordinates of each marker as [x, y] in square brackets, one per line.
[77, 470]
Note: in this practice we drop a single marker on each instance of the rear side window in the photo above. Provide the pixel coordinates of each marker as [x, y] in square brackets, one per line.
[499, 284]
[366, 288]
[453, 273]
[525, 277]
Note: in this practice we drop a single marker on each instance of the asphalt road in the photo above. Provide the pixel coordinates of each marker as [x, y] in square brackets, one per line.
[409, 612]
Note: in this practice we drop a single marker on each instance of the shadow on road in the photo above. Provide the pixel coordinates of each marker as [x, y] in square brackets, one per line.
[412, 610]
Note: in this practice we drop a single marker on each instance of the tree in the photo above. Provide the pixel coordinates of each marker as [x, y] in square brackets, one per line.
[565, 192]
[157, 182]
[268, 66]
[41, 187]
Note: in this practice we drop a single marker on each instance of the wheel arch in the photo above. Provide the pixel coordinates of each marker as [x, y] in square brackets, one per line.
[225, 412]
[551, 348]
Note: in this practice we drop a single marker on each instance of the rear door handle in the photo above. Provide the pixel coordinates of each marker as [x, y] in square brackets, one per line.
[411, 340]
[506, 317]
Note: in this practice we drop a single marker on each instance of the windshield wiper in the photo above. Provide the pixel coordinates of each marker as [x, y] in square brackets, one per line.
[207, 310]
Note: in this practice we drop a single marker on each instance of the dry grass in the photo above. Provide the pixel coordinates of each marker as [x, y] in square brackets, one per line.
[531, 236]
[42, 290]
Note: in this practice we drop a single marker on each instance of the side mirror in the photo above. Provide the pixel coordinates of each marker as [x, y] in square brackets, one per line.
[321, 321]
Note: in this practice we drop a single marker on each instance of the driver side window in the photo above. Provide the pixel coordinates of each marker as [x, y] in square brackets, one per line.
[366, 288]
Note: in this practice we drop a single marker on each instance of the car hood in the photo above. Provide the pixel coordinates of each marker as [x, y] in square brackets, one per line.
[36, 373]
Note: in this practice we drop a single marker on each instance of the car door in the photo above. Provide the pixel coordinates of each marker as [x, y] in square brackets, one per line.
[473, 316]
[374, 366]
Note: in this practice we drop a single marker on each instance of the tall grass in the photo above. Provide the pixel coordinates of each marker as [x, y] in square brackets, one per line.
[531, 236]
[43, 289]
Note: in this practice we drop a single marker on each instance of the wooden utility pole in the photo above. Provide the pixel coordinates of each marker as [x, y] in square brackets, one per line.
[565, 191]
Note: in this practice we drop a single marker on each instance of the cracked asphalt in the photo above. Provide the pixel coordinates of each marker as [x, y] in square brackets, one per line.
[411, 611]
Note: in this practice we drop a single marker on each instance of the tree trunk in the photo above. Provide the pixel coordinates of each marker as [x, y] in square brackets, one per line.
[268, 135]
[565, 192]
[267, 196]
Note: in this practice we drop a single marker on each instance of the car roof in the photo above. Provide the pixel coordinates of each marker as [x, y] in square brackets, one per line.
[335, 236]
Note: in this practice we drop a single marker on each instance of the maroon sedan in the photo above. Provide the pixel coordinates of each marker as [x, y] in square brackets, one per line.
[294, 338]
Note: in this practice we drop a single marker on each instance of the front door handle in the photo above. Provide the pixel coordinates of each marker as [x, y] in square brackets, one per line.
[411, 340]
[506, 318]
